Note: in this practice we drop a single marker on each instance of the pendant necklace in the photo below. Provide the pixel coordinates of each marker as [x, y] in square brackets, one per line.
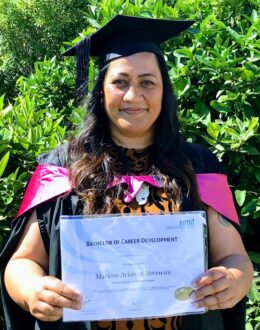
[142, 195]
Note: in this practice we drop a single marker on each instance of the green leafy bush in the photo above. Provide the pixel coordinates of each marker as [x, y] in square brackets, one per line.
[253, 305]
[34, 123]
[31, 30]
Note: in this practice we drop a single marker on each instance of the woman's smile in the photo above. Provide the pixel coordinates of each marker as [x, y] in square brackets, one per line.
[133, 110]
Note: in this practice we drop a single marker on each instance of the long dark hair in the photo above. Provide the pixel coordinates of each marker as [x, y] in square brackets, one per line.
[92, 153]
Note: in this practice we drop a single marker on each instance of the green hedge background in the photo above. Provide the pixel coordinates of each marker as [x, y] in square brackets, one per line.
[214, 69]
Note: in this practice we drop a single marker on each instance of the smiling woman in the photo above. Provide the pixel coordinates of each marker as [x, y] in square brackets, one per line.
[129, 158]
[133, 91]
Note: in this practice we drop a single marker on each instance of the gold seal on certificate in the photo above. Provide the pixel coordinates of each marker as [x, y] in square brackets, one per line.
[183, 293]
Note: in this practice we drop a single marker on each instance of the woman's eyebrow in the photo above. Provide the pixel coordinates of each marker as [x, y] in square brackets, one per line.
[122, 74]
[147, 75]
[140, 75]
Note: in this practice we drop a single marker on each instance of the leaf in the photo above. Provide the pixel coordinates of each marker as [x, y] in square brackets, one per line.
[254, 124]
[250, 310]
[254, 256]
[219, 147]
[247, 75]
[238, 37]
[23, 177]
[254, 2]
[249, 150]
[13, 175]
[240, 196]
[211, 18]
[182, 85]
[257, 174]
[202, 59]
[229, 96]
[253, 293]
[250, 207]
[249, 326]
[146, 14]
[219, 106]
[232, 131]
[3, 163]
[213, 130]
[1, 102]
[183, 52]
[209, 141]
[93, 22]
[254, 15]
[6, 134]
[201, 108]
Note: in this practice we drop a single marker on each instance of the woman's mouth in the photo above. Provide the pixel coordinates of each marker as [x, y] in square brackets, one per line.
[133, 111]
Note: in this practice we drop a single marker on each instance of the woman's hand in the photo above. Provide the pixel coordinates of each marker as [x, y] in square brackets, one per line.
[27, 282]
[217, 288]
[231, 273]
[49, 296]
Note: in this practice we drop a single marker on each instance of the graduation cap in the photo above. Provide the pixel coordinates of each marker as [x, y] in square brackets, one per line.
[123, 36]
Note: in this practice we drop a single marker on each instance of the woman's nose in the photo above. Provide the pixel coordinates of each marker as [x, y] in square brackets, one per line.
[132, 93]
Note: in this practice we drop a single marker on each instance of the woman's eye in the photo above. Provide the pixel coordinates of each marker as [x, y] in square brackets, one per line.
[120, 82]
[147, 83]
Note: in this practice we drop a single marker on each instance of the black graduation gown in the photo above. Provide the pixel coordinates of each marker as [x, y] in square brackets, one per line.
[48, 214]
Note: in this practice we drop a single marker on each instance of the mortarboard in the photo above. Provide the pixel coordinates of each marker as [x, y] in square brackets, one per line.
[123, 36]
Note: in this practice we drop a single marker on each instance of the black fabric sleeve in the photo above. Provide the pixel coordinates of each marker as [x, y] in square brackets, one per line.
[48, 215]
[202, 159]
[57, 156]
[15, 317]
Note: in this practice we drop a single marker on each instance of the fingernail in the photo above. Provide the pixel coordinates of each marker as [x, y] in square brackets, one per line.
[195, 285]
[195, 304]
[193, 296]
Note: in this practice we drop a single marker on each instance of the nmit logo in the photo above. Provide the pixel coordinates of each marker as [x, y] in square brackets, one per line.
[187, 223]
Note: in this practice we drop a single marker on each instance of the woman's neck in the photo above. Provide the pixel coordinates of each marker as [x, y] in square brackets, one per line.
[132, 142]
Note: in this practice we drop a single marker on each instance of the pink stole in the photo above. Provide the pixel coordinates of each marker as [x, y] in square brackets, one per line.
[49, 181]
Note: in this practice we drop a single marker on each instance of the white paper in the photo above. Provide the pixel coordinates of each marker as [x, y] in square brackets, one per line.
[133, 266]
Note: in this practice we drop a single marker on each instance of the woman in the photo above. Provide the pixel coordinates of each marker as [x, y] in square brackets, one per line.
[131, 130]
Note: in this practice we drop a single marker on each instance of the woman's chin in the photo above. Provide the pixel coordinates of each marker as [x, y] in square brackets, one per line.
[135, 132]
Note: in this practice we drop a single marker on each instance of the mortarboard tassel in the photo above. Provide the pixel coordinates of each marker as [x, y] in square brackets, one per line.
[83, 56]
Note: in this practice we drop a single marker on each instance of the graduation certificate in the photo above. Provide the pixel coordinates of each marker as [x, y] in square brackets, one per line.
[128, 266]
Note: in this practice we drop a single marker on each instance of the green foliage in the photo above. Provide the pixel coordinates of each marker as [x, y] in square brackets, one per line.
[31, 30]
[214, 68]
[34, 123]
[253, 305]
[24, 134]
[217, 81]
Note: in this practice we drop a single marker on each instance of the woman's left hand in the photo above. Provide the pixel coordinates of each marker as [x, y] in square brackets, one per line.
[217, 288]
[231, 273]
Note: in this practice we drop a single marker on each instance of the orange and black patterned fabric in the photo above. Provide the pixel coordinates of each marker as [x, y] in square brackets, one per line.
[157, 202]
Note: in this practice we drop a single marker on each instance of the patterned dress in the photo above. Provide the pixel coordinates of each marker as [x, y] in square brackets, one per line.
[157, 201]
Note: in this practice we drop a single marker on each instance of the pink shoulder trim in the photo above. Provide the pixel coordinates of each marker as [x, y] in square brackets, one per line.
[47, 182]
[215, 192]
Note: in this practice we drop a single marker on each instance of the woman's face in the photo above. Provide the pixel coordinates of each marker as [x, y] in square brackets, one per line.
[133, 91]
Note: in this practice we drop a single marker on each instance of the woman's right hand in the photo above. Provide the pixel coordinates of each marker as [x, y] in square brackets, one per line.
[27, 282]
[49, 295]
